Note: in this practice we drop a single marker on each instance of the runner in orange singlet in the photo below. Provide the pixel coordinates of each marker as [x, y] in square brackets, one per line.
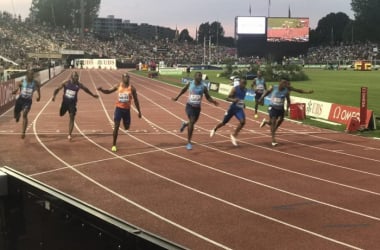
[126, 93]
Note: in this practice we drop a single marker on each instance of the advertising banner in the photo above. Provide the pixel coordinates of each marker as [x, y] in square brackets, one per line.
[342, 114]
[363, 106]
[224, 89]
[95, 63]
[314, 108]
[6, 97]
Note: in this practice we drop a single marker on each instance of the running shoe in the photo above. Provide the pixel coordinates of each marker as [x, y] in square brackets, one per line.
[256, 116]
[274, 144]
[189, 146]
[262, 124]
[183, 126]
[212, 132]
[114, 149]
[233, 140]
[69, 137]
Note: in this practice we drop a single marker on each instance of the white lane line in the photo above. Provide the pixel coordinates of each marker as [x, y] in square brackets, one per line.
[281, 152]
[170, 89]
[262, 184]
[232, 204]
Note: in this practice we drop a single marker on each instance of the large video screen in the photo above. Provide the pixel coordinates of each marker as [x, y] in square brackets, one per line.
[284, 29]
[251, 25]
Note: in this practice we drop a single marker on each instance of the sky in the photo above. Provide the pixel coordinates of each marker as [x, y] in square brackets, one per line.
[190, 14]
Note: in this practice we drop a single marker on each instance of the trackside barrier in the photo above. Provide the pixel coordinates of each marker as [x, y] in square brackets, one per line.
[36, 216]
[297, 111]
[353, 125]
[7, 99]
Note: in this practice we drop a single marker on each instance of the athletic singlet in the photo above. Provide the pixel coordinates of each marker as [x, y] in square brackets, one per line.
[278, 98]
[240, 93]
[260, 85]
[70, 91]
[27, 89]
[124, 97]
[195, 94]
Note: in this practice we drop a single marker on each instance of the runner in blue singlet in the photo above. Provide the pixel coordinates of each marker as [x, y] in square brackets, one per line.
[236, 96]
[193, 105]
[23, 104]
[276, 107]
[259, 86]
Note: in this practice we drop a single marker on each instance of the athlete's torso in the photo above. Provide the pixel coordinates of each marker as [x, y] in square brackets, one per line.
[240, 94]
[124, 97]
[260, 85]
[27, 89]
[70, 91]
[278, 98]
[195, 94]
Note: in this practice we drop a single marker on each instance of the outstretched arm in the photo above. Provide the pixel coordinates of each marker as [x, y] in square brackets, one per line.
[209, 98]
[301, 90]
[38, 89]
[18, 87]
[57, 90]
[183, 90]
[136, 100]
[108, 91]
[85, 89]
[266, 93]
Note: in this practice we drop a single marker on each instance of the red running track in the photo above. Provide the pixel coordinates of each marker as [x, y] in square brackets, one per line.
[317, 190]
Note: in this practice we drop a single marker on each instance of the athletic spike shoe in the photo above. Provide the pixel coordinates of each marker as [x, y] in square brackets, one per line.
[256, 116]
[212, 133]
[262, 124]
[233, 140]
[274, 144]
[189, 146]
[114, 149]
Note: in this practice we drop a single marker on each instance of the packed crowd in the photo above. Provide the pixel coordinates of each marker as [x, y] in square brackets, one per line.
[18, 38]
[342, 54]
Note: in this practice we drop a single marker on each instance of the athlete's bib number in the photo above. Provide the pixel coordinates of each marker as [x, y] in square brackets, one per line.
[277, 101]
[26, 92]
[70, 94]
[240, 104]
[260, 88]
[195, 99]
[123, 98]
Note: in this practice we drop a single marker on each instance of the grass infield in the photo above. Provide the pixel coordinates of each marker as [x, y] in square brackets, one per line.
[334, 86]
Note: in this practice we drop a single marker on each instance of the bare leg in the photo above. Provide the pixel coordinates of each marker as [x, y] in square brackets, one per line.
[24, 122]
[115, 133]
[190, 129]
[239, 127]
[71, 125]
[273, 128]
[218, 126]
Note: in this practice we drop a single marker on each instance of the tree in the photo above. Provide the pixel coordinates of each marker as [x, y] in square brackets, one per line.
[367, 19]
[64, 13]
[185, 36]
[203, 32]
[213, 31]
[330, 29]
